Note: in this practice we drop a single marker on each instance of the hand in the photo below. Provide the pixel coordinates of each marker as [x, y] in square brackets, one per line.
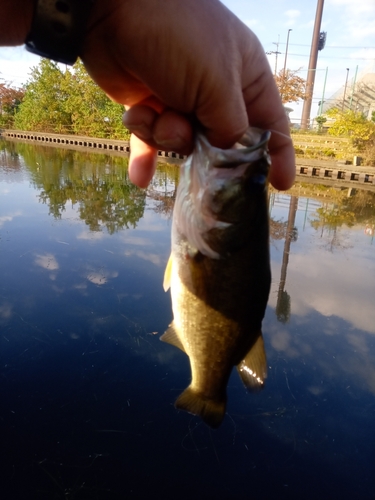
[174, 63]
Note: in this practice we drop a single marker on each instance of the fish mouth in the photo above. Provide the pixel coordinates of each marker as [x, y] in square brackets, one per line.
[247, 140]
[254, 140]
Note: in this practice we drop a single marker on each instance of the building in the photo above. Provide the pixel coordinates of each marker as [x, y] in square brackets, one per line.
[357, 95]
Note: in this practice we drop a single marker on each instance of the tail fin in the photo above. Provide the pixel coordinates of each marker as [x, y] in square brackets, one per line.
[211, 411]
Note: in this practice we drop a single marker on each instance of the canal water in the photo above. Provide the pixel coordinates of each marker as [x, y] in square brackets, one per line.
[87, 388]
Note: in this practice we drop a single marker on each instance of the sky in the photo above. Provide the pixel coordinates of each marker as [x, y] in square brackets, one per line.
[350, 27]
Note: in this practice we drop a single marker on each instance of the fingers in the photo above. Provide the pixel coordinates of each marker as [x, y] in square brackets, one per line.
[151, 131]
[173, 132]
[142, 162]
[168, 130]
[265, 110]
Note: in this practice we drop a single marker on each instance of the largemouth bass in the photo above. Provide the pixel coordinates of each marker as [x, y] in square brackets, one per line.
[219, 270]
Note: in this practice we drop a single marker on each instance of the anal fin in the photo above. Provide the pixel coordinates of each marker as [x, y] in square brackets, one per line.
[253, 368]
[171, 337]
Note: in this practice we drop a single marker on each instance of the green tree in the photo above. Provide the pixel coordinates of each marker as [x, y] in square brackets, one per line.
[320, 120]
[92, 112]
[352, 124]
[43, 106]
[68, 102]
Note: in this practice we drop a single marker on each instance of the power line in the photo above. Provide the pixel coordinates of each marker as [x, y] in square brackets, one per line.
[335, 57]
[327, 46]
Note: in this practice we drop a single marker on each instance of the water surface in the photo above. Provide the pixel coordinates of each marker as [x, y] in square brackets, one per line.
[87, 389]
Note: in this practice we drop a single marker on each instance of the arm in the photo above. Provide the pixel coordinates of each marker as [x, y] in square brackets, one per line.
[15, 21]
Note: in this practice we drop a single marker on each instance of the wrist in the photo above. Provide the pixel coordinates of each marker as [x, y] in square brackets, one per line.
[15, 21]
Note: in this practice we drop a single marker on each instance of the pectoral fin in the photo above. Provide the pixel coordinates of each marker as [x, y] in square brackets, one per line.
[168, 274]
[253, 368]
[171, 337]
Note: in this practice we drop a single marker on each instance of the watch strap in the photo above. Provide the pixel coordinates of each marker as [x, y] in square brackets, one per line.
[58, 29]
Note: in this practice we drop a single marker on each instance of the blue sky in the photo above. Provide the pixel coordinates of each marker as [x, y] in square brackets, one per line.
[350, 27]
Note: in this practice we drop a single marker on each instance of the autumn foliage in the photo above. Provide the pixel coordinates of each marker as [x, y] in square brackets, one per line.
[291, 86]
[10, 99]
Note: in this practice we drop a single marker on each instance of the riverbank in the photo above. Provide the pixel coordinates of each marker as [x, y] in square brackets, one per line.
[320, 170]
[80, 143]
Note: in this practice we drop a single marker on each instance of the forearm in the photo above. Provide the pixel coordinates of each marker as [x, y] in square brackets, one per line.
[15, 21]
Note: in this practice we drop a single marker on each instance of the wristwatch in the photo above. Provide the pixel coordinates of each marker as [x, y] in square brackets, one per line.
[58, 29]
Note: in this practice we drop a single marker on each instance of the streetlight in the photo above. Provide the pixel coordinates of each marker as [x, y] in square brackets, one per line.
[286, 51]
[346, 84]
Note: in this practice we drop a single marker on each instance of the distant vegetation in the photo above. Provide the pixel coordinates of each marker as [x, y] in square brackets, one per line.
[291, 86]
[358, 128]
[68, 101]
[62, 102]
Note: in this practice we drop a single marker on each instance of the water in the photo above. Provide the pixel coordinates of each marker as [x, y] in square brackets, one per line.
[87, 389]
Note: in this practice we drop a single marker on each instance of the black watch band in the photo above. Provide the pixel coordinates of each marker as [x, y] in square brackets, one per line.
[58, 29]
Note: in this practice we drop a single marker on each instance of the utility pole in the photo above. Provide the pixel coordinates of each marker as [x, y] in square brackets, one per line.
[305, 120]
[276, 52]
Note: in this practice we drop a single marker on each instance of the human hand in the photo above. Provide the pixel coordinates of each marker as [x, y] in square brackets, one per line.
[176, 64]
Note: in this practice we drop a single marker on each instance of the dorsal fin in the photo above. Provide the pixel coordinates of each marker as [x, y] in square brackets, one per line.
[171, 337]
[253, 368]
[167, 274]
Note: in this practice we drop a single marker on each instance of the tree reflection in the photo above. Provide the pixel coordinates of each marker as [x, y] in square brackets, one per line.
[163, 188]
[9, 158]
[346, 208]
[98, 184]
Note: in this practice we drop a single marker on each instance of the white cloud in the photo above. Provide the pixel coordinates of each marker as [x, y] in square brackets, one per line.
[47, 261]
[328, 293]
[156, 259]
[8, 218]
[291, 15]
[90, 235]
[101, 277]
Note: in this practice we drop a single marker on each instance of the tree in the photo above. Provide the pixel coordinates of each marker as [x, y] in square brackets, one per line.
[292, 87]
[10, 99]
[320, 120]
[68, 102]
[353, 124]
[43, 107]
[92, 112]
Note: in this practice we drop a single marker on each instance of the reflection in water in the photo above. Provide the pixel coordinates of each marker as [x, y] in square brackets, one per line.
[86, 386]
[283, 298]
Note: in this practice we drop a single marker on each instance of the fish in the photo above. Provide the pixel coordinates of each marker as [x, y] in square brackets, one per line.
[219, 270]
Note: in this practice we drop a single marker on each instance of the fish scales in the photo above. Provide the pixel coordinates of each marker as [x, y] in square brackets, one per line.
[219, 270]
